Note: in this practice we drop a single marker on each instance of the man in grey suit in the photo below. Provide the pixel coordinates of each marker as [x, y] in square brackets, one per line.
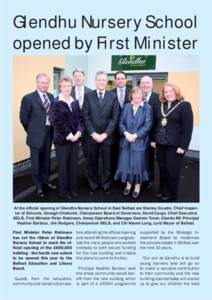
[101, 114]
[35, 120]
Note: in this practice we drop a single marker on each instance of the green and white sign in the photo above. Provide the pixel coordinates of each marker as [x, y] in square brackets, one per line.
[133, 62]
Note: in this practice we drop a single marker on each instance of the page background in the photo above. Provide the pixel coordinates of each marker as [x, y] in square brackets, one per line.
[108, 9]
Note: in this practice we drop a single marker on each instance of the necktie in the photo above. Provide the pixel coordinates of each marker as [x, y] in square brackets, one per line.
[145, 97]
[79, 97]
[121, 97]
[46, 103]
[100, 97]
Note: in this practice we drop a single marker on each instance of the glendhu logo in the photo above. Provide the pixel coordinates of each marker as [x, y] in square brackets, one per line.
[132, 60]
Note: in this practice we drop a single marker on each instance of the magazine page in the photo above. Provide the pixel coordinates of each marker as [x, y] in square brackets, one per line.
[104, 105]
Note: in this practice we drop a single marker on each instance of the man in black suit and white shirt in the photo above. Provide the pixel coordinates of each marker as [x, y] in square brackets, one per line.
[152, 98]
[122, 92]
[101, 114]
[35, 120]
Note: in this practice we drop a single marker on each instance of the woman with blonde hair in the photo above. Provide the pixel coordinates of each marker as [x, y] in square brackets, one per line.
[66, 119]
[172, 135]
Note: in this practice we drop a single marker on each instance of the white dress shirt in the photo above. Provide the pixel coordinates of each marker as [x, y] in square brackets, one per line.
[103, 93]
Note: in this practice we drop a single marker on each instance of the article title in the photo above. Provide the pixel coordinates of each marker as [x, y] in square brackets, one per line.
[132, 33]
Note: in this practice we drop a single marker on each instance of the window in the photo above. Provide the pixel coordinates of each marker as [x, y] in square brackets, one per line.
[57, 75]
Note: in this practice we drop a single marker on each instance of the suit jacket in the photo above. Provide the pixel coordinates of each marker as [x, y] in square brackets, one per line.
[65, 120]
[33, 118]
[73, 92]
[126, 97]
[101, 118]
[178, 130]
[154, 102]
[140, 124]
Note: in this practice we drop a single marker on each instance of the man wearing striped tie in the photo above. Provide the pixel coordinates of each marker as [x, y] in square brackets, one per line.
[35, 120]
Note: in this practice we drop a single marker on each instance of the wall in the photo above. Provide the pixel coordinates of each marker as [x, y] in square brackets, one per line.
[25, 69]
[189, 84]
[76, 62]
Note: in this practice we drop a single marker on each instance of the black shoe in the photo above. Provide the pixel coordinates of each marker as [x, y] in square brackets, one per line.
[135, 194]
[107, 192]
[40, 193]
[49, 187]
[126, 192]
[149, 185]
[74, 194]
[91, 192]
[64, 196]
[168, 198]
[159, 195]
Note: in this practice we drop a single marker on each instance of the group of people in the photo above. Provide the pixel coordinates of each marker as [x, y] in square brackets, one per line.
[123, 127]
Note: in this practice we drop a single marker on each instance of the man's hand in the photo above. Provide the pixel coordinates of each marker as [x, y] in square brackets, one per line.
[102, 137]
[99, 138]
[153, 145]
[95, 137]
[180, 150]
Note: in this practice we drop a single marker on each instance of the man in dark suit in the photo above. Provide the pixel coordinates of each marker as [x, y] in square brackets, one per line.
[35, 120]
[79, 90]
[101, 114]
[122, 93]
[152, 98]
[121, 90]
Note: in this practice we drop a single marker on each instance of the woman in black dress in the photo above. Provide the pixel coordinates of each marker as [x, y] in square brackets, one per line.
[172, 134]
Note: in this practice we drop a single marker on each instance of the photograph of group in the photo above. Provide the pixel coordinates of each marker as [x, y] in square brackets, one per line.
[106, 129]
